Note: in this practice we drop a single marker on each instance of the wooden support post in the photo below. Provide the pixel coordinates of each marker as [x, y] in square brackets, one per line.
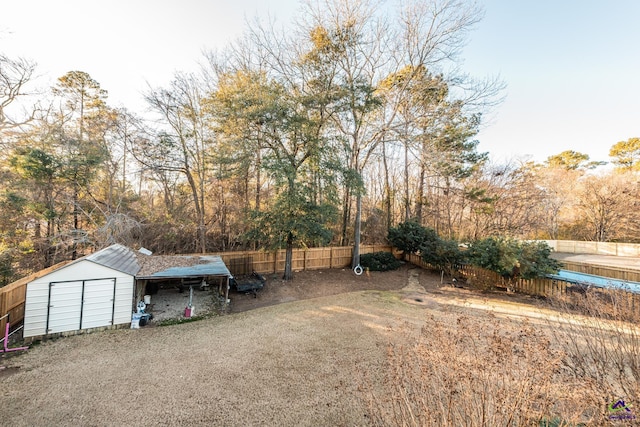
[226, 296]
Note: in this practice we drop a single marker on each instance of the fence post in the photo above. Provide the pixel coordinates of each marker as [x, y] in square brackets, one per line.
[3, 309]
[304, 262]
[275, 262]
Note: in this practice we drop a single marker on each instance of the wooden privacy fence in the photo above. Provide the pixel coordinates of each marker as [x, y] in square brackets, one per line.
[544, 287]
[263, 262]
[12, 299]
[484, 278]
[12, 296]
[540, 286]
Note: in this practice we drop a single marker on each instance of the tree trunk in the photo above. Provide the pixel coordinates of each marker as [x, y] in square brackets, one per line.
[258, 178]
[223, 220]
[448, 202]
[76, 222]
[346, 214]
[201, 240]
[355, 261]
[420, 195]
[407, 209]
[288, 260]
[387, 186]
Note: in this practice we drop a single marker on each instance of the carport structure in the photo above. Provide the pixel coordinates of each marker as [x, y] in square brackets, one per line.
[185, 270]
[101, 290]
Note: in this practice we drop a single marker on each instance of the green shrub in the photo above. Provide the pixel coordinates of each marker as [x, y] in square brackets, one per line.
[410, 237]
[512, 258]
[379, 261]
[491, 254]
[445, 255]
[536, 261]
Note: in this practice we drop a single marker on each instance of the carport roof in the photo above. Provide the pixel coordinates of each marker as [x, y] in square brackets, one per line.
[179, 266]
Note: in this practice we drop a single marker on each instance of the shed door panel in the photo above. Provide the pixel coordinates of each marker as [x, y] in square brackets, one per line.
[97, 309]
[65, 300]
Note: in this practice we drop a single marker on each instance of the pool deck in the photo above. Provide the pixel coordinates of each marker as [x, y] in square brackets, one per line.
[628, 263]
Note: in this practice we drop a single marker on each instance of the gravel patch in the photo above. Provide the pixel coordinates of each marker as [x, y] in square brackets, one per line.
[170, 303]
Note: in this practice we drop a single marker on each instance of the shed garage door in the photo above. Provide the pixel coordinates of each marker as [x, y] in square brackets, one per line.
[80, 304]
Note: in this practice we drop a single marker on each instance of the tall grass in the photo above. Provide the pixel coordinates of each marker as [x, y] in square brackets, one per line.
[482, 370]
[600, 334]
[471, 373]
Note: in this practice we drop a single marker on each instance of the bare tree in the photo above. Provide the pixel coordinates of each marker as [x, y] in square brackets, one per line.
[14, 75]
[503, 200]
[609, 208]
[369, 47]
[185, 141]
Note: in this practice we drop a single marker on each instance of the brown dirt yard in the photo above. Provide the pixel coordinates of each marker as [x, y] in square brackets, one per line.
[295, 355]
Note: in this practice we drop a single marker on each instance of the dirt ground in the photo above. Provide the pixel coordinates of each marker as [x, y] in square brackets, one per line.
[295, 355]
[320, 283]
[169, 303]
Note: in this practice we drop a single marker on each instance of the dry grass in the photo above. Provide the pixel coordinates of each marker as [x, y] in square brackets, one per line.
[287, 365]
[444, 356]
[478, 371]
[485, 370]
[601, 338]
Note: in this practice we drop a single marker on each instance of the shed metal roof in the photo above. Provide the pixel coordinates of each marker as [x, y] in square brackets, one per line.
[125, 260]
[117, 257]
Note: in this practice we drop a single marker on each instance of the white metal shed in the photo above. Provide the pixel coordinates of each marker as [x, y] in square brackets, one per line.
[92, 292]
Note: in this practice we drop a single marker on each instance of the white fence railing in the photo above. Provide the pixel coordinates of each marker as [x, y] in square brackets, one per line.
[595, 248]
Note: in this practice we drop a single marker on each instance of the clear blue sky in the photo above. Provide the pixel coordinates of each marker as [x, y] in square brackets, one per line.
[573, 73]
[572, 67]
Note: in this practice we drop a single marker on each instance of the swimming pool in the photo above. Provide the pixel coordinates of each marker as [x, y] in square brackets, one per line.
[599, 281]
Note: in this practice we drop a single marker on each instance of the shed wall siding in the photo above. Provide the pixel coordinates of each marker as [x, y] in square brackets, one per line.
[35, 309]
[124, 300]
[67, 295]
